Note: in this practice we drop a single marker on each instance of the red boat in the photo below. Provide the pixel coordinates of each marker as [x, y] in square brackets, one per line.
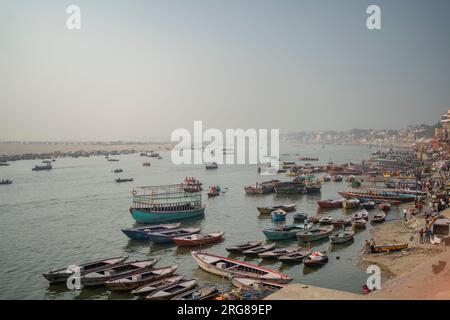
[330, 204]
[198, 239]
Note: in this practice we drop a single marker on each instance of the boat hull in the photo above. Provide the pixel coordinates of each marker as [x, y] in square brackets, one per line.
[143, 216]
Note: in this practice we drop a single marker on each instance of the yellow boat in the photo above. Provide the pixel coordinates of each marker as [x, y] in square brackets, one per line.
[389, 247]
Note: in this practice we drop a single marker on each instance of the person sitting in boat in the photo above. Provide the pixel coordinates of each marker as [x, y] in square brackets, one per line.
[372, 245]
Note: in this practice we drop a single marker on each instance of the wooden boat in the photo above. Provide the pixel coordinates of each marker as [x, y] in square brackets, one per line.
[124, 180]
[204, 293]
[137, 280]
[300, 217]
[274, 254]
[118, 171]
[167, 236]
[172, 290]
[315, 234]
[313, 187]
[148, 288]
[278, 215]
[213, 193]
[296, 256]
[389, 247]
[360, 223]
[61, 275]
[338, 178]
[330, 204]
[269, 210]
[339, 222]
[198, 239]
[316, 259]
[96, 278]
[368, 205]
[378, 218]
[326, 220]
[385, 206]
[141, 233]
[251, 284]
[113, 160]
[350, 203]
[313, 219]
[380, 195]
[285, 232]
[146, 164]
[257, 250]
[289, 188]
[4, 164]
[342, 236]
[227, 267]
[243, 246]
[157, 204]
[262, 188]
[5, 182]
[361, 214]
[211, 165]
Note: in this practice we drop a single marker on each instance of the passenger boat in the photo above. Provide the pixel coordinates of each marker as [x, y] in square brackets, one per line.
[379, 217]
[204, 293]
[172, 290]
[351, 203]
[316, 259]
[138, 279]
[274, 254]
[361, 214]
[360, 223]
[300, 217]
[379, 195]
[269, 210]
[289, 188]
[5, 182]
[251, 284]
[339, 222]
[211, 165]
[330, 204]
[243, 246]
[43, 167]
[296, 256]
[148, 288]
[61, 275]
[124, 180]
[163, 237]
[257, 250]
[342, 236]
[385, 206]
[99, 277]
[141, 233]
[227, 267]
[315, 234]
[326, 220]
[165, 203]
[389, 247]
[368, 205]
[284, 232]
[198, 239]
[278, 215]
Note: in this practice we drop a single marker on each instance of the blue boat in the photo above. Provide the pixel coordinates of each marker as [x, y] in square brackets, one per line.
[165, 203]
[141, 233]
[167, 236]
[278, 215]
[285, 232]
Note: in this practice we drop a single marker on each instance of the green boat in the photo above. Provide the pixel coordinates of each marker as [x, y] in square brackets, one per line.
[285, 232]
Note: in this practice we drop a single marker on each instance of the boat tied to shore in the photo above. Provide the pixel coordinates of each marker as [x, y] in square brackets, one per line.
[141, 233]
[42, 167]
[269, 210]
[157, 204]
[315, 234]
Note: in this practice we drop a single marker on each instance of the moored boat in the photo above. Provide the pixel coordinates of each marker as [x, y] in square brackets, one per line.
[257, 250]
[378, 218]
[351, 203]
[251, 284]
[168, 236]
[124, 180]
[172, 290]
[43, 167]
[313, 219]
[389, 247]
[138, 279]
[385, 206]
[141, 233]
[315, 234]
[285, 232]
[342, 236]
[269, 210]
[99, 277]
[204, 293]
[300, 217]
[360, 223]
[278, 215]
[211, 165]
[274, 254]
[330, 204]
[361, 214]
[380, 195]
[326, 220]
[289, 188]
[227, 267]
[243, 246]
[5, 181]
[148, 288]
[198, 239]
[339, 222]
[316, 259]
[368, 205]
[61, 275]
[296, 256]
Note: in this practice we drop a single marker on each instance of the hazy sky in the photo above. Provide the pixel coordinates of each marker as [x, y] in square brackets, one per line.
[140, 69]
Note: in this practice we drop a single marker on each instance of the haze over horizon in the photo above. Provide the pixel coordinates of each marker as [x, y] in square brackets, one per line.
[140, 69]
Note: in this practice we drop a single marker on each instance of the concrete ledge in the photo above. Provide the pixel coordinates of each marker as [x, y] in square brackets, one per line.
[306, 292]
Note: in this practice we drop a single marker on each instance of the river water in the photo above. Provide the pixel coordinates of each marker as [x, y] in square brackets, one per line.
[74, 213]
